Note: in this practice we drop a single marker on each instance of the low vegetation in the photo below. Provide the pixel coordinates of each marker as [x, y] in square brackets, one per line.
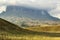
[51, 29]
[9, 31]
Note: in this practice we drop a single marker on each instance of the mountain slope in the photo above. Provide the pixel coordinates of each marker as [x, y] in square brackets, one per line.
[19, 14]
[20, 11]
[8, 27]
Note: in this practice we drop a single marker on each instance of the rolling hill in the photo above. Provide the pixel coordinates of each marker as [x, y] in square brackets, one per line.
[10, 31]
[8, 27]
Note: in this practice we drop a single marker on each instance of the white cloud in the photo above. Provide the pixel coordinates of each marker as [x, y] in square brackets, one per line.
[34, 3]
[44, 4]
[2, 8]
[56, 12]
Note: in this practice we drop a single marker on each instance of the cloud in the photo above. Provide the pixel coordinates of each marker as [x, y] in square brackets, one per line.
[2, 8]
[40, 4]
[32, 3]
[56, 11]
[53, 5]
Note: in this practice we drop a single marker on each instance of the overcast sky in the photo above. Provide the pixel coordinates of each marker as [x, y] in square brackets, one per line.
[54, 5]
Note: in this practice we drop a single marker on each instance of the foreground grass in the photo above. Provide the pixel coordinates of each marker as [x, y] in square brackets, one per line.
[24, 36]
[9, 31]
[28, 37]
[9, 36]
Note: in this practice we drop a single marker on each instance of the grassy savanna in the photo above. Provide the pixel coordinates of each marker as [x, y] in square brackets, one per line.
[9, 31]
[27, 37]
[51, 29]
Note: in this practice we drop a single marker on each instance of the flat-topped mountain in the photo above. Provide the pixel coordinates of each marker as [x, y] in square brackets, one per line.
[20, 11]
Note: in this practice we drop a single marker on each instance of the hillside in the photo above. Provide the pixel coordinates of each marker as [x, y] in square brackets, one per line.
[10, 31]
[6, 26]
[20, 14]
[20, 11]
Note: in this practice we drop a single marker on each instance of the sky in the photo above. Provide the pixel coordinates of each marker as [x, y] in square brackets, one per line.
[52, 5]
